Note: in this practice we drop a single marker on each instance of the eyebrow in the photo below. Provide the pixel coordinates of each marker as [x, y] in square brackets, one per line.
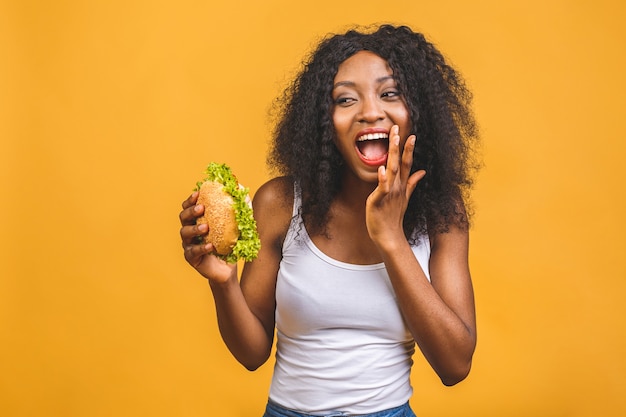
[352, 83]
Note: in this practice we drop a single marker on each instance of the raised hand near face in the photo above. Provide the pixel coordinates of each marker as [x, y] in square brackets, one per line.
[387, 204]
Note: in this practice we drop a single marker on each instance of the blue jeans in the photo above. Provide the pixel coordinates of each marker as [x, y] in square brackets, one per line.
[275, 410]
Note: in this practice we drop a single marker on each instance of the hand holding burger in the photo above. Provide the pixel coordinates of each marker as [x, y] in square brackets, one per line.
[228, 215]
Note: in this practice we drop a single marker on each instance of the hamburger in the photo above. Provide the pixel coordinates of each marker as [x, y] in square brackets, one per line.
[228, 213]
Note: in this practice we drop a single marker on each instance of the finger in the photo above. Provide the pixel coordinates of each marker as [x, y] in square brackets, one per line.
[383, 184]
[407, 159]
[189, 234]
[194, 253]
[393, 158]
[191, 200]
[189, 215]
[412, 182]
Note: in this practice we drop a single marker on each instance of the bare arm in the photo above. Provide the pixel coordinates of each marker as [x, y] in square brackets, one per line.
[440, 314]
[245, 310]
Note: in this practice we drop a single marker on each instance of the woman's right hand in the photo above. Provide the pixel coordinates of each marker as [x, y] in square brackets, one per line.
[198, 254]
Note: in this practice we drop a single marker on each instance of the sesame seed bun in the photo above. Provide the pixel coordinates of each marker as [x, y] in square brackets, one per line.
[219, 215]
[228, 213]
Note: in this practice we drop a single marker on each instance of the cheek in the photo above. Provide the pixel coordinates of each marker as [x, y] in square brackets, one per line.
[403, 120]
[341, 122]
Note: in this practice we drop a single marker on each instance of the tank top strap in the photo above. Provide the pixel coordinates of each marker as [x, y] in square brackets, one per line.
[297, 199]
[296, 219]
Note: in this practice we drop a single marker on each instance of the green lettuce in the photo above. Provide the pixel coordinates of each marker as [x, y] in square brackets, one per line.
[248, 244]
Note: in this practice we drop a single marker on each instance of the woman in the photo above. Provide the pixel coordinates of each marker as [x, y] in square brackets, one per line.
[364, 236]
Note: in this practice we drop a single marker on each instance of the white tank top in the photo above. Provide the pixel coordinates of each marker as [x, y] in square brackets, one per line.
[342, 344]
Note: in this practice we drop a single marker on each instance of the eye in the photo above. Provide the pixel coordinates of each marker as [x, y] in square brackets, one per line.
[344, 101]
[391, 94]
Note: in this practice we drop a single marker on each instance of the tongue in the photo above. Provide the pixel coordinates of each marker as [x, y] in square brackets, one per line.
[373, 149]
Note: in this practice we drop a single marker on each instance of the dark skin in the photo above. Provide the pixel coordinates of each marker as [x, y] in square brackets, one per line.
[365, 227]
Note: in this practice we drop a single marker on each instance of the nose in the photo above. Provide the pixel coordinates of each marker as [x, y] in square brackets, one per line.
[371, 110]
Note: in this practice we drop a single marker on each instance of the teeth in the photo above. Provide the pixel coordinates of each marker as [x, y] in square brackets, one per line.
[373, 136]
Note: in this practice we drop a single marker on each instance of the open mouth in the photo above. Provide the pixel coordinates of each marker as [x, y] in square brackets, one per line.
[373, 148]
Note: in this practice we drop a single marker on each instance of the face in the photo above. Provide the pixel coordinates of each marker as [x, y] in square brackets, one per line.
[366, 105]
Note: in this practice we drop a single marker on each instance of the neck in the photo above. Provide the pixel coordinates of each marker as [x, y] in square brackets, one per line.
[354, 191]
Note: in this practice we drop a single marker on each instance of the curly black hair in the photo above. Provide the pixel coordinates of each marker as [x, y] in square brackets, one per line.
[439, 104]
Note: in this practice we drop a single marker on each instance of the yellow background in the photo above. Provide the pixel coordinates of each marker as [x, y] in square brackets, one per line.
[110, 110]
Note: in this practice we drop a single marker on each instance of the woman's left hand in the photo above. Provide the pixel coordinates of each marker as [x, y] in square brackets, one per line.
[387, 204]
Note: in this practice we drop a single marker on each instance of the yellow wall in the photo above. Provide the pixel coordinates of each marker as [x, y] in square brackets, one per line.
[110, 110]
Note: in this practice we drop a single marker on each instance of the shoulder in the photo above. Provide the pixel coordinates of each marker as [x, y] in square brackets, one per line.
[273, 207]
[449, 260]
[276, 195]
[279, 188]
[454, 238]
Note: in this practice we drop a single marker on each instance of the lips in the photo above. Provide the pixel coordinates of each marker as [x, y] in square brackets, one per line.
[372, 146]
